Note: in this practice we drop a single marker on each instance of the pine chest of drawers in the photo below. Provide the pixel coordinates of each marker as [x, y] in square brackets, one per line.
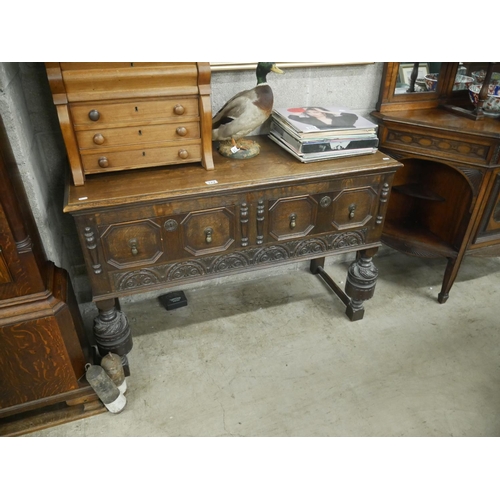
[120, 116]
[164, 227]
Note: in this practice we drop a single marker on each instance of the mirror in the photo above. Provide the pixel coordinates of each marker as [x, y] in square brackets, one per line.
[417, 77]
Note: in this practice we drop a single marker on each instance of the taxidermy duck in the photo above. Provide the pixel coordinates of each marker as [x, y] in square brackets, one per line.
[242, 114]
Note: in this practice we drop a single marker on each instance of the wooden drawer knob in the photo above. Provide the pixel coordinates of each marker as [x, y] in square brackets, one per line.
[98, 139]
[103, 162]
[208, 235]
[94, 115]
[183, 154]
[179, 109]
[293, 221]
[182, 131]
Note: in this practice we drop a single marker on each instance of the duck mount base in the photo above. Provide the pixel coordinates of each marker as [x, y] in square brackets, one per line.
[248, 149]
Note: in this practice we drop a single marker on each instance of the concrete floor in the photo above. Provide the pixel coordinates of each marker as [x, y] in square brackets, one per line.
[273, 354]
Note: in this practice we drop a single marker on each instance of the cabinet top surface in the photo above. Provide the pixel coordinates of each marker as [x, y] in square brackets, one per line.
[271, 168]
[443, 119]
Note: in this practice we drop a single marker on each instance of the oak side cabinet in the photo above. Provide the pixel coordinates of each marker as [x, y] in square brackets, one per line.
[164, 227]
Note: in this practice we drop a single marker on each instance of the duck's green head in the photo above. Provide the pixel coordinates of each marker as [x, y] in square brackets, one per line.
[263, 69]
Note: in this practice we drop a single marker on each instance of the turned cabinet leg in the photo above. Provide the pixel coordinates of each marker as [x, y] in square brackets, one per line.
[360, 285]
[112, 331]
[449, 278]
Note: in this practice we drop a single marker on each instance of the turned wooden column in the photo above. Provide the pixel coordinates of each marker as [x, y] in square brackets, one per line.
[112, 331]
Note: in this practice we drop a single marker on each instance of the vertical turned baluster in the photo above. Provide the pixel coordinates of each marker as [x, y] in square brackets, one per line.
[92, 248]
[360, 284]
[244, 224]
[260, 222]
[112, 331]
[383, 199]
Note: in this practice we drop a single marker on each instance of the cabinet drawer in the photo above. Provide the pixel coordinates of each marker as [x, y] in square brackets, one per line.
[428, 142]
[112, 137]
[91, 80]
[344, 206]
[354, 207]
[132, 244]
[292, 217]
[208, 231]
[99, 162]
[94, 115]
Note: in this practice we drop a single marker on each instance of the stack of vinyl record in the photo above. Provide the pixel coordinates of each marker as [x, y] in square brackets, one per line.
[316, 133]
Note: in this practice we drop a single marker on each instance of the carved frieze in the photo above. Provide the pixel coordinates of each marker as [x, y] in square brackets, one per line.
[256, 256]
[440, 144]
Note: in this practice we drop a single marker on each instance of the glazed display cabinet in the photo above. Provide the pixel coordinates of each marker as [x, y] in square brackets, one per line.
[445, 201]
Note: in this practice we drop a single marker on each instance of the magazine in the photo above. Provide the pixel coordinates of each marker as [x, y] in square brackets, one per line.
[312, 157]
[318, 120]
[324, 144]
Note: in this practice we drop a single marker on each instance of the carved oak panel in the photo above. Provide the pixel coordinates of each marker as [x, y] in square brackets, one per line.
[292, 217]
[353, 207]
[132, 243]
[208, 231]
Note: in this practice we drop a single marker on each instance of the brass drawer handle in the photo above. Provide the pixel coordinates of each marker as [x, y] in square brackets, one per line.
[133, 243]
[352, 209]
[182, 131]
[103, 162]
[94, 115]
[293, 221]
[183, 154]
[98, 139]
[179, 109]
[208, 235]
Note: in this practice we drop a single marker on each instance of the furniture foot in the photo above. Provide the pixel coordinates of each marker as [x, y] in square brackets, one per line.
[450, 275]
[112, 332]
[355, 310]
